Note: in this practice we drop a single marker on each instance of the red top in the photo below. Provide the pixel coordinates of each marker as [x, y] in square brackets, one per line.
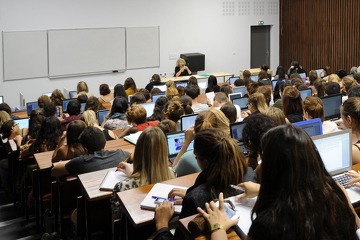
[143, 126]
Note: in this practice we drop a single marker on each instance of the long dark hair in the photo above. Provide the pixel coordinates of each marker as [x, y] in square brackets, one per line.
[158, 109]
[119, 91]
[297, 194]
[49, 135]
[120, 105]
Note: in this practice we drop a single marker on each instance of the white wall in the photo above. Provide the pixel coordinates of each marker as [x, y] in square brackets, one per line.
[185, 26]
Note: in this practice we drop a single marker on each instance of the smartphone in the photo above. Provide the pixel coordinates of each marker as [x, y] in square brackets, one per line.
[57, 111]
[159, 200]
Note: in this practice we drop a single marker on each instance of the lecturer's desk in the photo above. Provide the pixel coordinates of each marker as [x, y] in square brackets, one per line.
[201, 76]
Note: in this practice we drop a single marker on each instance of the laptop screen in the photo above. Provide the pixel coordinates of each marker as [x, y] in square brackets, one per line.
[161, 87]
[332, 105]
[335, 151]
[101, 115]
[23, 122]
[82, 108]
[183, 84]
[236, 130]
[241, 90]
[233, 79]
[313, 126]
[241, 102]
[175, 142]
[187, 121]
[305, 93]
[254, 78]
[47, 94]
[202, 85]
[320, 72]
[156, 96]
[1, 99]
[149, 107]
[31, 106]
[233, 96]
[65, 102]
[72, 94]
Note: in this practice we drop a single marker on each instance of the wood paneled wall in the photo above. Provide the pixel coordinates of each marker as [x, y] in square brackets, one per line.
[320, 33]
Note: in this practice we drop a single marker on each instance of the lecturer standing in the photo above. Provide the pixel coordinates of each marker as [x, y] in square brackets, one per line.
[181, 69]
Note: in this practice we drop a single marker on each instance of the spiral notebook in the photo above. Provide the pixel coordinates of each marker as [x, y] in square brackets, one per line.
[111, 179]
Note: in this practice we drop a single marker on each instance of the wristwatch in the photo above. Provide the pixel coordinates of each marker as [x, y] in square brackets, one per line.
[216, 227]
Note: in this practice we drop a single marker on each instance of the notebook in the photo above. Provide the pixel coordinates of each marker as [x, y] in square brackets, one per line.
[101, 115]
[210, 96]
[335, 151]
[175, 142]
[187, 121]
[331, 105]
[236, 130]
[30, 106]
[241, 89]
[23, 122]
[159, 191]
[241, 102]
[156, 96]
[243, 209]
[149, 107]
[313, 127]
[112, 177]
[305, 93]
[132, 138]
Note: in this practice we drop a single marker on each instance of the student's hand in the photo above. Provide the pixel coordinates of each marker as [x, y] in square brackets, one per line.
[177, 192]
[18, 140]
[356, 176]
[126, 168]
[245, 114]
[251, 190]
[163, 213]
[216, 215]
[189, 135]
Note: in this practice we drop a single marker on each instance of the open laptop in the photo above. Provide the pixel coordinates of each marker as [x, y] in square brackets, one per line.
[82, 108]
[241, 89]
[241, 102]
[156, 96]
[22, 122]
[187, 121]
[183, 84]
[30, 106]
[236, 130]
[254, 78]
[175, 141]
[233, 96]
[101, 115]
[313, 127]
[65, 102]
[335, 151]
[233, 79]
[1, 99]
[331, 105]
[305, 93]
[72, 94]
[320, 72]
[149, 107]
[202, 85]
[161, 87]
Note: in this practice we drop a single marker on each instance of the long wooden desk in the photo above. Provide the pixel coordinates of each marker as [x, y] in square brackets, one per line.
[130, 200]
[201, 76]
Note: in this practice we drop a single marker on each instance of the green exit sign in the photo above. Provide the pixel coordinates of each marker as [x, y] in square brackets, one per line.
[260, 22]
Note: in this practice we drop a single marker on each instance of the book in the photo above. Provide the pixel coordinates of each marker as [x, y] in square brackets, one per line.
[111, 179]
[159, 190]
[132, 138]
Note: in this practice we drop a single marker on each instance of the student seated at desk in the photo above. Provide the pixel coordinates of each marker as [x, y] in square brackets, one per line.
[69, 145]
[116, 118]
[293, 202]
[5, 107]
[82, 88]
[150, 161]
[194, 93]
[130, 86]
[57, 97]
[93, 140]
[89, 117]
[106, 94]
[173, 110]
[222, 164]
[4, 117]
[154, 81]
[160, 103]
[74, 113]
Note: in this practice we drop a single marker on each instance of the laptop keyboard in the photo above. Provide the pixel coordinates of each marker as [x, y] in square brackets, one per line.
[343, 179]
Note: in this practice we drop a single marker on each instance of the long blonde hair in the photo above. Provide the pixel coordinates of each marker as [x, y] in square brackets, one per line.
[89, 118]
[212, 118]
[151, 157]
[258, 101]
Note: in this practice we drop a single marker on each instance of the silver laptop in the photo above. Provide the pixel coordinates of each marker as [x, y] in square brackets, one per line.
[335, 151]
[188, 121]
[149, 107]
[236, 130]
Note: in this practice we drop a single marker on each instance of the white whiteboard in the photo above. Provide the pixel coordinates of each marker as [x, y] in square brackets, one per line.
[25, 55]
[143, 47]
[86, 51]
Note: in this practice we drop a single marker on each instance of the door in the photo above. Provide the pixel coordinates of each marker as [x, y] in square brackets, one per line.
[260, 46]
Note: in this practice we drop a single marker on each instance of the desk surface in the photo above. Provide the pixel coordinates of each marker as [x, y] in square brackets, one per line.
[43, 160]
[201, 76]
[130, 200]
